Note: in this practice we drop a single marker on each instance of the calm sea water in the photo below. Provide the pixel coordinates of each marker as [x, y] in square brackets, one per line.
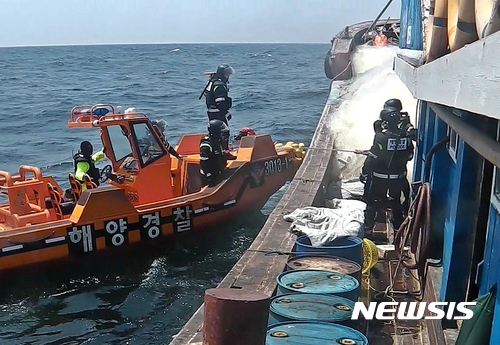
[146, 296]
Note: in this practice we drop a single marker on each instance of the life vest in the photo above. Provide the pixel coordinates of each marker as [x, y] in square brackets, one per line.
[212, 161]
[212, 102]
[93, 171]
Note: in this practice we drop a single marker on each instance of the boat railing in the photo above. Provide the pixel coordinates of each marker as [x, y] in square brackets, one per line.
[90, 116]
[120, 117]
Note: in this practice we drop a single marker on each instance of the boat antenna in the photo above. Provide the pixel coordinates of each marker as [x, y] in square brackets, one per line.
[376, 19]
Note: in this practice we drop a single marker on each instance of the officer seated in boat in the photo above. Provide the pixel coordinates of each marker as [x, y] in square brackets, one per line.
[384, 171]
[159, 126]
[405, 124]
[212, 158]
[84, 163]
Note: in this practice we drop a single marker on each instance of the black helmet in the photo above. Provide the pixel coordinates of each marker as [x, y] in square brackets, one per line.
[224, 71]
[390, 118]
[394, 103]
[215, 128]
[86, 148]
[159, 124]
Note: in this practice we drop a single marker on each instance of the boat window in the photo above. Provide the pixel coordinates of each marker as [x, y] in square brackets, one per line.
[119, 142]
[453, 144]
[149, 147]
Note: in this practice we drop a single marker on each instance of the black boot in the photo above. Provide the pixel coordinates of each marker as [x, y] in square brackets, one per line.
[369, 220]
[229, 156]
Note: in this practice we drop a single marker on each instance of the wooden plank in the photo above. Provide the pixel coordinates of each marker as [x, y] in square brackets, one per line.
[257, 271]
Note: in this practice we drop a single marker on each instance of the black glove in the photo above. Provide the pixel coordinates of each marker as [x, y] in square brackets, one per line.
[363, 178]
[412, 134]
[229, 116]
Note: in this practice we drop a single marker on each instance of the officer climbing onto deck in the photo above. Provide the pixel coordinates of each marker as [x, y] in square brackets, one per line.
[84, 162]
[385, 169]
[212, 159]
[159, 126]
[218, 101]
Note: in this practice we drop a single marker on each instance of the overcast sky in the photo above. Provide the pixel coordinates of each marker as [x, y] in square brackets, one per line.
[54, 22]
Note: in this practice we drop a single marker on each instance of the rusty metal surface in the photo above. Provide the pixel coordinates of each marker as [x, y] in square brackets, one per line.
[235, 316]
[326, 263]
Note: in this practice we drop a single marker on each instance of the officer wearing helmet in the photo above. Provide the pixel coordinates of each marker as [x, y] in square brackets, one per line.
[216, 96]
[384, 170]
[84, 163]
[212, 158]
[405, 125]
[159, 126]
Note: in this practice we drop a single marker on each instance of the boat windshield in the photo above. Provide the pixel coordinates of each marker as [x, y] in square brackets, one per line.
[119, 142]
[147, 143]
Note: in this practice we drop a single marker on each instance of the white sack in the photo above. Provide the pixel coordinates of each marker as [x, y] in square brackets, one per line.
[323, 225]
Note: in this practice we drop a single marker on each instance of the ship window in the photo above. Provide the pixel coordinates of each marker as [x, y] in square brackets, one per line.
[453, 144]
[148, 145]
[119, 142]
[496, 182]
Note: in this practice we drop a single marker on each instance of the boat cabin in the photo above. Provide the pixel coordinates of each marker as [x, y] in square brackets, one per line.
[140, 162]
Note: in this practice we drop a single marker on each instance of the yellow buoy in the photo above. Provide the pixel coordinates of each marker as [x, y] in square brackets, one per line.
[370, 255]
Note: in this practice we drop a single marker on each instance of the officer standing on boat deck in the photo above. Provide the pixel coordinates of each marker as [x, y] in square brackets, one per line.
[84, 162]
[218, 102]
[406, 129]
[212, 159]
[405, 123]
[385, 169]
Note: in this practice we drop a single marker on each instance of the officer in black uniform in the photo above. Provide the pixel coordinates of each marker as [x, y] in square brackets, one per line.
[405, 124]
[212, 159]
[385, 169]
[218, 101]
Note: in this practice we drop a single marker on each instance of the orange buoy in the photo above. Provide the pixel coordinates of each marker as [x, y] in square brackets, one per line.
[380, 40]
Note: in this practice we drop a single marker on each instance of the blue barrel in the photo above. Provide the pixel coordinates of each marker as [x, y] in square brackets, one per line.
[350, 248]
[311, 307]
[325, 263]
[312, 332]
[318, 282]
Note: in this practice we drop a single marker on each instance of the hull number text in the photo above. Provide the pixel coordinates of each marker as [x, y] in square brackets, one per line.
[275, 166]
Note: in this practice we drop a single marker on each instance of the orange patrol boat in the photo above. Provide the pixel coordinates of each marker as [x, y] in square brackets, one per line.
[150, 196]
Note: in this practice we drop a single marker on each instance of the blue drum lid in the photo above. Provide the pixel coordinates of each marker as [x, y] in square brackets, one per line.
[317, 281]
[324, 263]
[321, 333]
[308, 307]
